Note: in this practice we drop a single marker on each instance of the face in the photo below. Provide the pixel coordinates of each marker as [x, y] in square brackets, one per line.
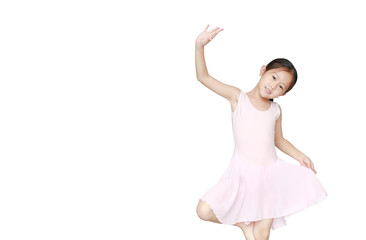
[277, 81]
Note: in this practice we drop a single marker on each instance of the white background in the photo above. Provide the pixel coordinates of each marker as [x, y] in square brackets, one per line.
[105, 132]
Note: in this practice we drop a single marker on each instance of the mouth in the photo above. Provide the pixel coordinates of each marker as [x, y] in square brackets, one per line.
[267, 90]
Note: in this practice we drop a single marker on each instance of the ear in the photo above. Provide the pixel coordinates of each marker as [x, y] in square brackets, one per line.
[263, 70]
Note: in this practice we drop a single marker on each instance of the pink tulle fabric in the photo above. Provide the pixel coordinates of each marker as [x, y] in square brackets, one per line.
[257, 184]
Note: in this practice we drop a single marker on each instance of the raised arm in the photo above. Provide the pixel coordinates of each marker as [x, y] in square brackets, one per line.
[229, 92]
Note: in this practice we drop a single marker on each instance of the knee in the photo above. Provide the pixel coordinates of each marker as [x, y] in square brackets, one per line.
[261, 234]
[204, 211]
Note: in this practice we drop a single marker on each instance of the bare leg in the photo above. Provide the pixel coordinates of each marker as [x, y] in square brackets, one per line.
[204, 211]
[247, 230]
[262, 229]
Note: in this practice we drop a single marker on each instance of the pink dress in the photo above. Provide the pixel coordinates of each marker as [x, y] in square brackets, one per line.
[257, 184]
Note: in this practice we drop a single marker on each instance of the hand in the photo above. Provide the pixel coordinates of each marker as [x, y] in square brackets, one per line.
[206, 36]
[306, 162]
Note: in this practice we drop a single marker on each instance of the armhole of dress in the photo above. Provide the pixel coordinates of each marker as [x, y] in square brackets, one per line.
[239, 102]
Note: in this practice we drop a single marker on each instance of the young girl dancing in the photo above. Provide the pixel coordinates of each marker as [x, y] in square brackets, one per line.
[258, 190]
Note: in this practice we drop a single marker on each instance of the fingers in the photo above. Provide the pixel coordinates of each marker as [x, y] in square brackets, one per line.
[213, 30]
[216, 30]
[308, 164]
[311, 166]
[213, 34]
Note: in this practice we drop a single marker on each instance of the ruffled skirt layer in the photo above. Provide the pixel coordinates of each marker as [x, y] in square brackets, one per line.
[247, 192]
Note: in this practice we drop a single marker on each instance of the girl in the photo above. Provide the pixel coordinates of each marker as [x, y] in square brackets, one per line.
[258, 189]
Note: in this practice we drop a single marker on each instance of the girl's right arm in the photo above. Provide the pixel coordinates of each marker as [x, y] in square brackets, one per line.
[229, 92]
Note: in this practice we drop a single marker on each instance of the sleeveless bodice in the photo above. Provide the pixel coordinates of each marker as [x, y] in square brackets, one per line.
[254, 131]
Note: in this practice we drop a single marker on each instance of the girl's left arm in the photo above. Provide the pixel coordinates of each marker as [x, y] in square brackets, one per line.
[285, 146]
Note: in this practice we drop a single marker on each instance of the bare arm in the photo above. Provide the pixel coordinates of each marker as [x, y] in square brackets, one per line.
[201, 69]
[229, 92]
[285, 146]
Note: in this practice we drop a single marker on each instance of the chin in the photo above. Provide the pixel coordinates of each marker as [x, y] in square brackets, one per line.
[265, 95]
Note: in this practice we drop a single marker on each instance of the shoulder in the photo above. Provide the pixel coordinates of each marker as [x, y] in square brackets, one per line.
[277, 105]
[235, 97]
[235, 94]
[278, 109]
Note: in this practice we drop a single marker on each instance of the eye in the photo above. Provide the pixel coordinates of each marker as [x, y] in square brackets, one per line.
[274, 77]
[281, 87]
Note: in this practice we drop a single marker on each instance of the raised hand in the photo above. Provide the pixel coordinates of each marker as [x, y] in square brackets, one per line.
[206, 36]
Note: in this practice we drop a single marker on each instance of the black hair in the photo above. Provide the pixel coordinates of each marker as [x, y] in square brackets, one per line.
[284, 63]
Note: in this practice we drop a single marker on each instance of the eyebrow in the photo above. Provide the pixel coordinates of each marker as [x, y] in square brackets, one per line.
[280, 78]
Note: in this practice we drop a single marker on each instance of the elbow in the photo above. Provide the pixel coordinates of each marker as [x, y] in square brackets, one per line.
[279, 141]
[202, 77]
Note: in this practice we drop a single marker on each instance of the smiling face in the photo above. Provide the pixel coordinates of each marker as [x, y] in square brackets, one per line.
[274, 82]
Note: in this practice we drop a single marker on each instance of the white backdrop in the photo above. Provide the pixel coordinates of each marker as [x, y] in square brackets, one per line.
[105, 132]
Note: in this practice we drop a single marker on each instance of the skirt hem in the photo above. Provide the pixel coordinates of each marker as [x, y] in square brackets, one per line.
[280, 217]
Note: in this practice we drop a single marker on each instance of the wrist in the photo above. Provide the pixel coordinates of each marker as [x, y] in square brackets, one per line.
[199, 47]
[301, 157]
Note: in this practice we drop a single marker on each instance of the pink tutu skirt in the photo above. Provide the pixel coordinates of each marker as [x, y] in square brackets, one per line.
[247, 192]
